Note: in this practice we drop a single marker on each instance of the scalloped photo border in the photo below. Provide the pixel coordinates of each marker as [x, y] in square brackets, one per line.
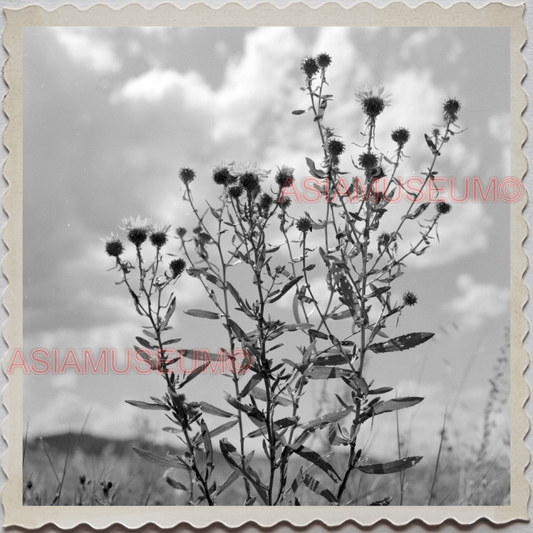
[396, 14]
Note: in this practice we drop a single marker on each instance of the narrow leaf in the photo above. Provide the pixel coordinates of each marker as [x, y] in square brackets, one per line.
[390, 468]
[404, 342]
[212, 410]
[201, 313]
[164, 461]
[148, 406]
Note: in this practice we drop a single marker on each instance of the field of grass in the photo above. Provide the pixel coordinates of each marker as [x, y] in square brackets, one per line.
[74, 470]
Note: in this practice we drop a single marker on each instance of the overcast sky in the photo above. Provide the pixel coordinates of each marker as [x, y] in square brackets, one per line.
[111, 114]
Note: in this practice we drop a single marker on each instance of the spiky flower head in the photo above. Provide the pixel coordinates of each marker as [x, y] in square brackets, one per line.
[368, 160]
[284, 177]
[443, 208]
[373, 101]
[400, 136]
[336, 147]
[409, 298]
[187, 175]
[137, 229]
[158, 236]
[265, 201]
[323, 60]
[309, 67]
[250, 183]
[304, 224]
[181, 232]
[284, 202]
[177, 266]
[222, 175]
[450, 110]
[113, 245]
[236, 191]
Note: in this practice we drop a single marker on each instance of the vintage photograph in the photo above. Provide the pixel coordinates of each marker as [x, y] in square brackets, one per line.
[242, 245]
[266, 265]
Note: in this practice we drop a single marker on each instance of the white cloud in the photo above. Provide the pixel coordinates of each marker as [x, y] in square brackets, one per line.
[85, 47]
[416, 41]
[477, 301]
[154, 85]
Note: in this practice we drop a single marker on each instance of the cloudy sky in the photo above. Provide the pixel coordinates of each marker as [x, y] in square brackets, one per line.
[111, 114]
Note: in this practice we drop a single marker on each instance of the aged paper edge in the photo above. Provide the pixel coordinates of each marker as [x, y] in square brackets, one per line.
[396, 14]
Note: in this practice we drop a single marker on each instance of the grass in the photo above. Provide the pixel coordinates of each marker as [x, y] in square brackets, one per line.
[107, 472]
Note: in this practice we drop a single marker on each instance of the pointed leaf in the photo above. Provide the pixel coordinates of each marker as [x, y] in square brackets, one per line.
[286, 288]
[317, 460]
[391, 467]
[164, 461]
[395, 404]
[212, 410]
[328, 418]
[404, 342]
[148, 406]
[201, 313]
[222, 428]
[326, 372]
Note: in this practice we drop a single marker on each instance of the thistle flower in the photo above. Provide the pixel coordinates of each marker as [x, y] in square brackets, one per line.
[158, 236]
[284, 177]
[187, 175]
[323, 60]
[336, 147]
[304, 224]
[236, 191]
[181, 232]
[443, 208]
[400, 136]
[373, 101]
[113, 245]
[222, 175]
[284, 202]
[137, 229]
[409, 298]
[309, 67]
[368, 160]
[250, 183]
[177, 266]
[450, 110]
[265, 201]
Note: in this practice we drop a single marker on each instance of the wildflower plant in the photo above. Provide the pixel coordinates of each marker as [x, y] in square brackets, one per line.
[230, 251]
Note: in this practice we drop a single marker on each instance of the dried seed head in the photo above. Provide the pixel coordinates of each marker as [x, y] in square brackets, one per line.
[285, 202]
[177, 266]
[284, 177]
[450, 110]
[336, 147]
[265, 201]
[158, 238]
[222, 176]
[401, 136]
[443, 208]
[181, 232]
[236, 191]
[368, 160]
[323, 60]
[304, 224]
[309, 67]
[409, 298]
[187, 175]
[114, 247]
